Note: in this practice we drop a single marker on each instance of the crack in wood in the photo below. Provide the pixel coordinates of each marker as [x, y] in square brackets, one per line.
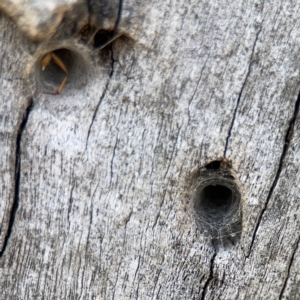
[15, 204]
[160, 207]
[100, 101]
[119, 14]
[289, 269]
[112, 160]
[117, 278]
[70, 203]
[211, 275]
[156, 279]
[137, 268]
[287, 140]
[240, 94]
[198, 83]
[112, 67]
[89, 7]
[173, 150]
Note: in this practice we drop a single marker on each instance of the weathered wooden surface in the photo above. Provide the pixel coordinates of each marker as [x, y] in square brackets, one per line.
[102, 206]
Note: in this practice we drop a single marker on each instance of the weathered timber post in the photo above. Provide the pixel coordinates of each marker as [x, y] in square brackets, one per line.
[149, 149]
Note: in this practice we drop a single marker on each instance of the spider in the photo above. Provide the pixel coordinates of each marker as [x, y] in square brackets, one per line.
[45, 61]
[101, 38]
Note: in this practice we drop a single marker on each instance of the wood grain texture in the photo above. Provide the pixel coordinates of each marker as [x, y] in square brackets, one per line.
[15, 97]
[105, 200]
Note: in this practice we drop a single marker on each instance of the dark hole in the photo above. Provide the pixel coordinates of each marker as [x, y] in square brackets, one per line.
[218, 208]
[56, 69]
[215, 199]
[214, 165]
[102, 38]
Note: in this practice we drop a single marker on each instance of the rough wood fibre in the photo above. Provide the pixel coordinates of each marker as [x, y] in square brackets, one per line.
[104, 207]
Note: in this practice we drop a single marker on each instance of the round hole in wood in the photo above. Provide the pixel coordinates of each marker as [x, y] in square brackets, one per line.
[58, 70]
[217, 202]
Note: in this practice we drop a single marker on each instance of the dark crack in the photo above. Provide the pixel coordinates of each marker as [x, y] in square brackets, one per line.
[94, 115]
[89, 7]
[157, 277]
[112, 63]
[112, 160]
[119, 15]
[198, 83]
[70, 203]
[117, 278]
[287, 140]
[127, 219]
[101, 98]
[241, 92]
[15, 204]
[160, 207]
[137, 268]
[211, 275]
[289, 269]
[173, 150]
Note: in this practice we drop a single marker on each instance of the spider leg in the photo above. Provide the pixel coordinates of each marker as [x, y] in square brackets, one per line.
[59, 62]
[61, 86]
[107, 43]
[45, 61]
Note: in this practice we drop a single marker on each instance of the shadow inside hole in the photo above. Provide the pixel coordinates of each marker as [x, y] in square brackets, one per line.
[214, 165]
[103, 38]
[218, 211]
[215, 199]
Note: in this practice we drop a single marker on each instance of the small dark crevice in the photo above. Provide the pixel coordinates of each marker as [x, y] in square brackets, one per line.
[117, 278]
[214, 165]
[112, 61]
[70, 203]
[198, 83]
[127, 219]
[15, 204]
[287, 140]
[156, 278]
[101, 98]
[173, 150]
[112, 160]
[211, 275]
[94, 115]
[160, 207]
[240, 94]
[89, 7]
[104, 37]
[99, 40]
[137, 268]
[119, 15]
[289, 269]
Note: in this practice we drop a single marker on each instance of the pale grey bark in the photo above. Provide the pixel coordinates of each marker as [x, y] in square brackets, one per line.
[101, 184]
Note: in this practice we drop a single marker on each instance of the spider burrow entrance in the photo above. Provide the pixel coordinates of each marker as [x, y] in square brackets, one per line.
[58, 70]
[217, 204]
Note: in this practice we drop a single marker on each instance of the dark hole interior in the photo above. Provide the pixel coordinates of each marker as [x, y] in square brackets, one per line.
[215, 199]
[102, 37]
[218, 209]
[214, 165]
